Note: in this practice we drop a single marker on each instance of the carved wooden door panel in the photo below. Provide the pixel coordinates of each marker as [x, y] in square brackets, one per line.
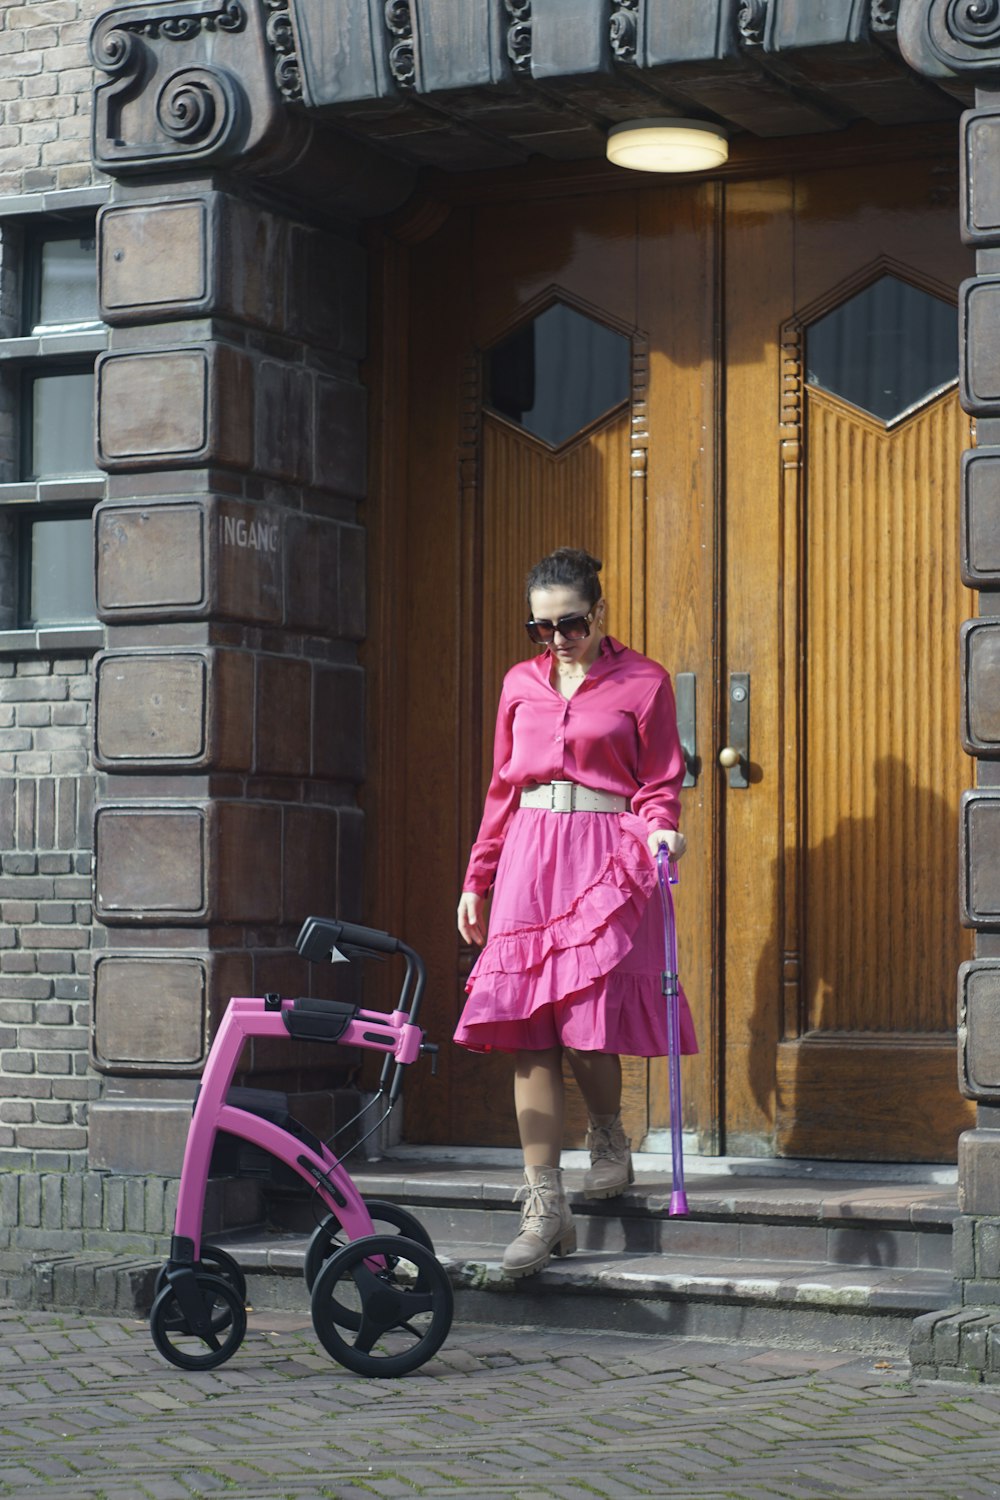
[845, 974]
[580, 395]
[773, 484]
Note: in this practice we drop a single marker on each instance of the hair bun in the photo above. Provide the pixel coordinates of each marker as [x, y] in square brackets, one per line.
[570, 567]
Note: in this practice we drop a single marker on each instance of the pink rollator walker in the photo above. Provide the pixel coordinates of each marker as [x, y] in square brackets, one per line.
[381, 1303]
[666, 869]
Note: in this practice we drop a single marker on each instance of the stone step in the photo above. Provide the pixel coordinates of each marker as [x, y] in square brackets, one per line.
[852, 1221]
[845, 1262]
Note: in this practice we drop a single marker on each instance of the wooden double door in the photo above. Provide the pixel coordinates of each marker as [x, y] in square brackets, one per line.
[741, 395]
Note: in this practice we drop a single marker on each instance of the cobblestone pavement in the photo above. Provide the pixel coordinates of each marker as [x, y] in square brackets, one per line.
[89, 1411]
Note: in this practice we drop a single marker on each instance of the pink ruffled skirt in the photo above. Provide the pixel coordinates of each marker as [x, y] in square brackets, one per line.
[574, 956]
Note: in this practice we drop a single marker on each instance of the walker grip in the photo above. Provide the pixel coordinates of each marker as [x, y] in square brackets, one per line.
[319, 936]
[310, 1019]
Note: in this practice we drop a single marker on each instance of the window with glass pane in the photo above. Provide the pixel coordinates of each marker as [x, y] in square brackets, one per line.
[59, 421]
[64, 280]
[885, 349]
[558, 373]
[57, 586]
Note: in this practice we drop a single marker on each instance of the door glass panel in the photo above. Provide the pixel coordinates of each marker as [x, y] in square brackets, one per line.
[62, 425]
[558, 373]
[885, 349]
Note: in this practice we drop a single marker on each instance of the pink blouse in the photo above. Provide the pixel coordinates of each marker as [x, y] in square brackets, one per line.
[618, 733]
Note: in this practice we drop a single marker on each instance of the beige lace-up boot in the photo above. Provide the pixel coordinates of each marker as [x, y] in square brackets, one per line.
[547, 1226]
[610, 1159]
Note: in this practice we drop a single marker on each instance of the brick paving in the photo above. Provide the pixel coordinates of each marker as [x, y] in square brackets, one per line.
[89, 1411]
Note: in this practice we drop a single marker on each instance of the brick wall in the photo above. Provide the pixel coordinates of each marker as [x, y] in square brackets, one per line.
[46, 796]
[46, 782]
[45, 88]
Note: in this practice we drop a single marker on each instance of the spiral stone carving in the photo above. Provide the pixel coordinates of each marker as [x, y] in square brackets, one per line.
[974, 23]
[113, 49]
[942, 38]
[198, 107]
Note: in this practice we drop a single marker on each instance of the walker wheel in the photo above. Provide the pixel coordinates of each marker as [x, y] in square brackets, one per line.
[218, 1263]
[382, 1305]
[326, 1236]
[225, 1324]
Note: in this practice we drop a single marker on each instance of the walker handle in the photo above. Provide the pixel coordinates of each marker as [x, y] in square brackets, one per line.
[319, 935]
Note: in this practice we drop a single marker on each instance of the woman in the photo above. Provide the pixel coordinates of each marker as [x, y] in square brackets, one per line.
[587, 771]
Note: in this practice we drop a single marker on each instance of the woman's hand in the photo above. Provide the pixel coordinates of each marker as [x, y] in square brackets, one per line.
[675, 842]
[470, 918]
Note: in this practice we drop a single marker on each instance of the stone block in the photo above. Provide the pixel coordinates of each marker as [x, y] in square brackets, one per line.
[136, 1136]
[980, 518]
[310, 863]
[980, 656]
[174, 408]
[152, 862]
[283, 709]
[283, 421]
[153, 1013]
[979, 343]
[187, 863]
[150, 559]
[979, 1173]
[980, 177]
[979, 1029]
[341, 425]
[350, 863]
[338, 721]
[197, 558]
[326, 292]
[979, 859]
[312, 574]
[351, 595]
[184, 709]
[987, 1237]
[156, 260]
[948, 1335]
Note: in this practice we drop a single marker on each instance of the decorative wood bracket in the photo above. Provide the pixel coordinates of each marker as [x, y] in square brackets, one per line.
[195, 82]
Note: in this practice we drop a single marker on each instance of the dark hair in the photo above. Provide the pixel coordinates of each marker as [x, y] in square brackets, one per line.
[567, 567]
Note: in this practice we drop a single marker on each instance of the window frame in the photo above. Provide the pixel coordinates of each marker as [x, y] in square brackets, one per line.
[32, 350]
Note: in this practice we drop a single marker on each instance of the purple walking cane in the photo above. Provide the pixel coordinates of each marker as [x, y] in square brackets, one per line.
[666, 868]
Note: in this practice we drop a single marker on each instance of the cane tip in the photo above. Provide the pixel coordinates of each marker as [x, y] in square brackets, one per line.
[678, 1205]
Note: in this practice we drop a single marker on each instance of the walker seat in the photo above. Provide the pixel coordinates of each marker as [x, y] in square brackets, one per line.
[381, 1302]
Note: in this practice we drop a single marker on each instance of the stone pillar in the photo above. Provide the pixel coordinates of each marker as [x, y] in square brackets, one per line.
[229, 720]
[962, 42]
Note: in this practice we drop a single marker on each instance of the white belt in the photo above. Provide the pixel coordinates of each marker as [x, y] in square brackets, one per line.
[566, 796]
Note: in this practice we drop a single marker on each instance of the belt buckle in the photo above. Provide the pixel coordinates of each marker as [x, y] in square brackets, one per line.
[562, 796]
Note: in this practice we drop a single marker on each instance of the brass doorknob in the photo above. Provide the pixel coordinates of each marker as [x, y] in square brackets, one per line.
[729, 757]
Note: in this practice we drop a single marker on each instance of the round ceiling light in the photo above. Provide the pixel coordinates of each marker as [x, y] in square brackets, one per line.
[665, 145]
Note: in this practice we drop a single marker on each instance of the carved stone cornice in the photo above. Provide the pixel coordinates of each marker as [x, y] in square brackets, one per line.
[519, 34]
[403, 47]
[192, 82]
[281, 40]
[948, 37]
[751, 19]
[625, 30]
[884, 14]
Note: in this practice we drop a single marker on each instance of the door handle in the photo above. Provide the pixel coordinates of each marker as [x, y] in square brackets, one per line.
[687, 729]
[735, 757]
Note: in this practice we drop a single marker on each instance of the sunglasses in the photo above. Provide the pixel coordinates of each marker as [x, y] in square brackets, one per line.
[570, 627]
